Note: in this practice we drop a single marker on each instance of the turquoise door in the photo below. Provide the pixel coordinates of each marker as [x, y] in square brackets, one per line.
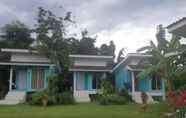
[88, 81]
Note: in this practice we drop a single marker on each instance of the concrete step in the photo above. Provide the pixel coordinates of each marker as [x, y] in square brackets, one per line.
[9, 102]
[137, 98]
[13, 97]
[81, 96]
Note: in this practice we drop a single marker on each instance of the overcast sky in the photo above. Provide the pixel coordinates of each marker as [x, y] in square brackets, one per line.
[129, 23]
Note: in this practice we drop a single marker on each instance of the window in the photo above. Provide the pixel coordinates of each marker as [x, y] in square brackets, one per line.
[37, 79]
[156, 83]
[96, 82]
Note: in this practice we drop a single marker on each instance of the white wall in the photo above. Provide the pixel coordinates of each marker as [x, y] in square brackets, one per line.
[90, 62]
[28, 57]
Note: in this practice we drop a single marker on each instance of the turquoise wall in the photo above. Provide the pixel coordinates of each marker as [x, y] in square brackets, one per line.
[122, 76]
[144, 85]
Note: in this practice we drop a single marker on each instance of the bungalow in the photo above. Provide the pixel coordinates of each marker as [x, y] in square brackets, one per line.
[23, 71]
[88, 70]
[126, 77]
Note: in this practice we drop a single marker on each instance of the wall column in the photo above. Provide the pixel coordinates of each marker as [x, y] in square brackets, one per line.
[10, 79]
[133, 83]
[74, 81]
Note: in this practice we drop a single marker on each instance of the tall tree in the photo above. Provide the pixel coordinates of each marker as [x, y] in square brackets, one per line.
[87, 44]
[104, 49]
[51, 31]
[16, 35]
[108, 50]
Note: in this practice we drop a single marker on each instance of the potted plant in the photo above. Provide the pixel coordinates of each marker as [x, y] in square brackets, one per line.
[144, 98]
[44, 100]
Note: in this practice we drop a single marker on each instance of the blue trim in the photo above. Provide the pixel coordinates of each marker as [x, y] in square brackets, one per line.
[29, 79]
[144, 85]
[86, 80]
[89, 81]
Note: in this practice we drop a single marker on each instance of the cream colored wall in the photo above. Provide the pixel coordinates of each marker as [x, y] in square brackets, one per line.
[28, 57]
[80, 81]
[134, 62]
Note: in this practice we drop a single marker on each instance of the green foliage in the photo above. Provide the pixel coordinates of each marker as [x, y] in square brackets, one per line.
[57, 93]
[125, 93]
[51, 31]
[37, 97]
[109, 95]
[107, 87]
[180, 113]
[58, 84]
[180, 79]
[181, 89]
[66, 98]
[112, 99]
[16, 35]
[164, 62]
[107, 49]
[84, 45]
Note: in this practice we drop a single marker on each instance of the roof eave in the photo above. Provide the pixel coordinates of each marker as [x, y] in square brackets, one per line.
[129, 56]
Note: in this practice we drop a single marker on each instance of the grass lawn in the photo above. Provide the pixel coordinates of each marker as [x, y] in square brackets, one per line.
[83, 111]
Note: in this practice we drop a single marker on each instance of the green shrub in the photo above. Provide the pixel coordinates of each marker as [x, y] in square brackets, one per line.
[112, 99]
[37, 97]
[107, 87]
[65, 98]
[103, 100]
[125, 93]
[180, 89]
[180, 113]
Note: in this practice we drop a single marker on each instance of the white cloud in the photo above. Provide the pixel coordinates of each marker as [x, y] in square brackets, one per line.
[129, 23]
[128, 36]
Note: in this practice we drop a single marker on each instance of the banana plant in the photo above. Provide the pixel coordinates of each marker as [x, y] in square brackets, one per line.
[165, 60]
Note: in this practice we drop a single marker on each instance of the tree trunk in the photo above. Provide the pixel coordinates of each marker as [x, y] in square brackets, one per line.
[171, 96]
[170, 88]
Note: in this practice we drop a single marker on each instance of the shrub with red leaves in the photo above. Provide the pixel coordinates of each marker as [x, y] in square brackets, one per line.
[181, 101]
